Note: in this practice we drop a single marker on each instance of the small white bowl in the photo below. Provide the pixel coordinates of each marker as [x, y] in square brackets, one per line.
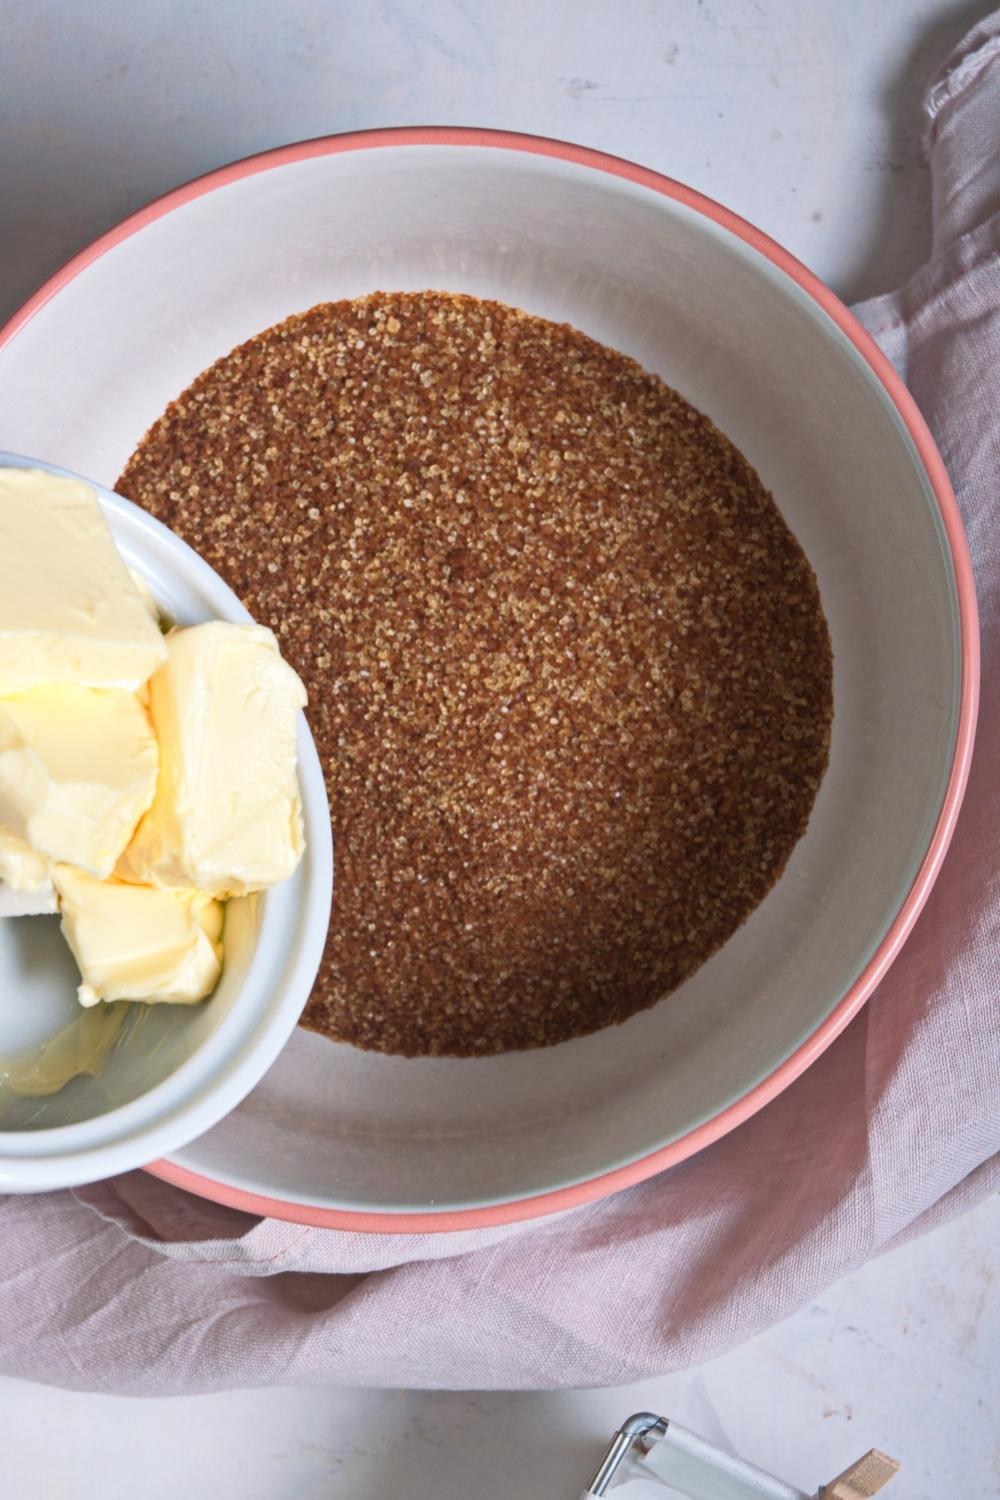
[355, 1140]
[175, 1070]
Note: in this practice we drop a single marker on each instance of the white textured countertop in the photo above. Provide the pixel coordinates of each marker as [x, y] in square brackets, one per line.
[802, 115]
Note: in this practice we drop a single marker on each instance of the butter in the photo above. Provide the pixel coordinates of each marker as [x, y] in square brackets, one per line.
[78, 769]
[21, 868]
[26, 888]
[145, 593]
[69, 609]
[132, 942]
[226, 817]
[37, 903]
[143, 779]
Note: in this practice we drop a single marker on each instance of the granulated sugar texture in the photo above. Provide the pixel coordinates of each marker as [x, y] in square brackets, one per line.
[568, 672]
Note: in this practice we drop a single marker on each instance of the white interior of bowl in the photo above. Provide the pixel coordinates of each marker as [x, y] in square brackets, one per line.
[173, 1069]
[333, 1126]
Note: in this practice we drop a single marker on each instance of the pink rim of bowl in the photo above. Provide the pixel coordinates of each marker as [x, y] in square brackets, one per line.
[736, 1113]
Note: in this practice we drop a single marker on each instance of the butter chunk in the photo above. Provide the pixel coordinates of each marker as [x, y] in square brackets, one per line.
[77, 771]
[40, 903]
[145, 593]
[21, 868]
[131, 942]
[226, 818]
[26, 888]
[69, 609]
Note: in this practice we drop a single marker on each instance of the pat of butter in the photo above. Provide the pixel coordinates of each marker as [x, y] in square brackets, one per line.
[226, 817]
[131, 942]
[77, 771]
[69, 609]
[40, 903]
[21, 868]
[145, 593]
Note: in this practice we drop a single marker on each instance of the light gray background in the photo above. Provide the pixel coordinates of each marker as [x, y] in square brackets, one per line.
[801, 114]
[804, 116]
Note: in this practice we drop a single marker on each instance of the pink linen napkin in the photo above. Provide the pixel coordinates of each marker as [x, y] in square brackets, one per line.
[132, 1285]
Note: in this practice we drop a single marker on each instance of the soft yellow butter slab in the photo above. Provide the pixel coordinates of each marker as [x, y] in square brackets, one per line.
[21, 868]
[226, 818]
[77, 770]
[69, 608]
[132, 942]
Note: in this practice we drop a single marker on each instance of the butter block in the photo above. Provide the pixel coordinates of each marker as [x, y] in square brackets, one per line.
[69, 609]
[77, 771]
[132, 942]
[39, 903]
[145, 593]
[226, 817]
[26, 888]
[21, 868]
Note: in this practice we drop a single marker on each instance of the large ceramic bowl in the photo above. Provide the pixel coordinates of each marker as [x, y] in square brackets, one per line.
[170, 1071]
[340, 1137]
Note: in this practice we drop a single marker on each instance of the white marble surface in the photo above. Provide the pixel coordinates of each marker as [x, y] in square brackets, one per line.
[804, 116]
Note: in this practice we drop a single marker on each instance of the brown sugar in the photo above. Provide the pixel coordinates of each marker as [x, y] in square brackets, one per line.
[569, 676]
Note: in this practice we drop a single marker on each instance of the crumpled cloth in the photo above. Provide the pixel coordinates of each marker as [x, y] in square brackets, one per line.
[135, 1286]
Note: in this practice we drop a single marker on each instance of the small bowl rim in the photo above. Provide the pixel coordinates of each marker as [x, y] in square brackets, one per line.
[647, 1165]
[230, 1062]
